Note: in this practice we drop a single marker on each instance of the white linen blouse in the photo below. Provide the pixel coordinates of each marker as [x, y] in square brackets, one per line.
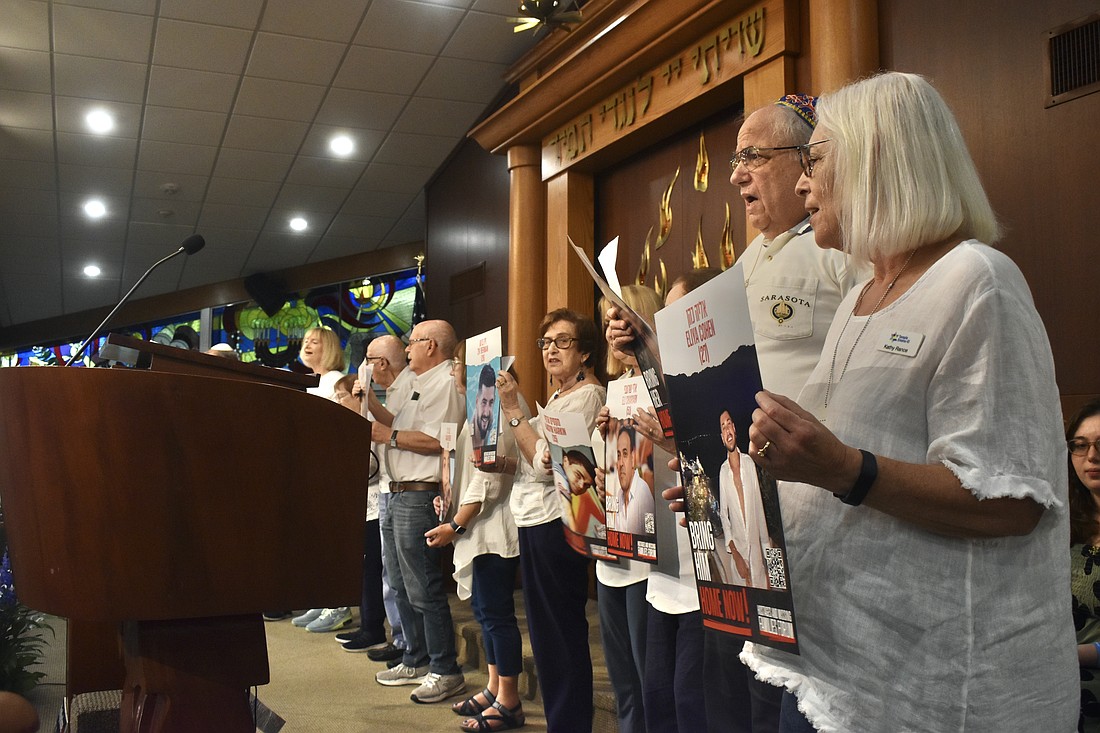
[901, 629]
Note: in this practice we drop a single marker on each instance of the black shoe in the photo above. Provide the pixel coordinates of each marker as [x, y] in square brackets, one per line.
[349, 635]
[386, 653]
[276, 615]
[364, 644]
[392, 663]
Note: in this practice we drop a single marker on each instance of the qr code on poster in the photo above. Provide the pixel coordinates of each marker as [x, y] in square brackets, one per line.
[777, 579]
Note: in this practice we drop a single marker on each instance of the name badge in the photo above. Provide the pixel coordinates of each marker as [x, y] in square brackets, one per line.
[903, 343]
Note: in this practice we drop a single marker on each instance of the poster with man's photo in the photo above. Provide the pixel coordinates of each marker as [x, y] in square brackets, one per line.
[483, 358]
[740, 555]
[574, 466]
[629, 480]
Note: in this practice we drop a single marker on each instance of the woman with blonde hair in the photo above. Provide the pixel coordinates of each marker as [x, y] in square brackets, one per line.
[323, 353]
[922, 469]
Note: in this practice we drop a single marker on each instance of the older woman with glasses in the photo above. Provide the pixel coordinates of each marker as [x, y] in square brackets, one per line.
[923, 482]
[555, 578]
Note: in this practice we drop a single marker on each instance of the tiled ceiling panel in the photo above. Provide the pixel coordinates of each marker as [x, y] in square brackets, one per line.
[223, 115]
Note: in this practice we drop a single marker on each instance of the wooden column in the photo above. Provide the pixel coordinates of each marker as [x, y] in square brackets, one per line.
[526, 267]
[843, 41]
[571, 203]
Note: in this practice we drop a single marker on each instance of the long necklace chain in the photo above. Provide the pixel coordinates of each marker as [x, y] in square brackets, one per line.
[859, 300]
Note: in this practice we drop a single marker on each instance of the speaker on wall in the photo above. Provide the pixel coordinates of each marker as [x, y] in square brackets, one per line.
[267, 291]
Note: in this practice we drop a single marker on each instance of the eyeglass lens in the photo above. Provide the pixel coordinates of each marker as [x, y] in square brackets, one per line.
[1080, 446]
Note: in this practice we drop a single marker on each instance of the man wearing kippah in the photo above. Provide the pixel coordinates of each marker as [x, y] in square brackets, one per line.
[793, 287]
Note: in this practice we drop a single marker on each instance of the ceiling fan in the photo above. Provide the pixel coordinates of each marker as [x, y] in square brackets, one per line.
[546, 13]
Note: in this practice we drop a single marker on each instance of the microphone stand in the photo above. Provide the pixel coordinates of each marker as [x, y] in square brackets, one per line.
[93, 334]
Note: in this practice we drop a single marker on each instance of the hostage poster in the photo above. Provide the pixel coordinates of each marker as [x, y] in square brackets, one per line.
[709, 357]
[629, 478]
[574, 466]
[483, 361]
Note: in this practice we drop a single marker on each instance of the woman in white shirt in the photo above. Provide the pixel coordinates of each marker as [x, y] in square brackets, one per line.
[923, 467]
[555, 578]
[486, 558]
[622, 585]
[323, 353]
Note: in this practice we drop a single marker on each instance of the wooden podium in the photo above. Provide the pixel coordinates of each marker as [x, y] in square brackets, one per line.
[171, 509]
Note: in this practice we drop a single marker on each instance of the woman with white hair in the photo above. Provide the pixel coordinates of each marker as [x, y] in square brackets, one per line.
[923, 468]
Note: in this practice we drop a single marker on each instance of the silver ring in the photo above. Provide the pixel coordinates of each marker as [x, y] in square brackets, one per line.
[764, 448]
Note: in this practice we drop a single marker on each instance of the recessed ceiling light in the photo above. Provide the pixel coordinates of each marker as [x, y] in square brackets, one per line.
[100, 121]
[95, 209]
[298, 224]
[342, 145]
[92, 271]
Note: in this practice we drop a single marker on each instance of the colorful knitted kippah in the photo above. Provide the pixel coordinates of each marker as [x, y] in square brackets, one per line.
[803, 106]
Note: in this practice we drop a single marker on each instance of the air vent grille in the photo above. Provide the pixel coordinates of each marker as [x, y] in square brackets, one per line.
[1074, 60]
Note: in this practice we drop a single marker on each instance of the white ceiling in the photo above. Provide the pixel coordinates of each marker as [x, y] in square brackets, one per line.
[233, 101]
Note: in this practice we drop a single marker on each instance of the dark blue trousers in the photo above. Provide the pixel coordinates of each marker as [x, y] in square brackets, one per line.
[494, 605]
[674, 699]
[555, 591]
[737, 702]
[372, 612]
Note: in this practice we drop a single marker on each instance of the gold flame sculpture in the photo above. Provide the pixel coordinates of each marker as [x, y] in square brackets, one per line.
[666, 213]
[699, 256]
[702, 166]
[725, 247]
[643, 269]
[660, 281]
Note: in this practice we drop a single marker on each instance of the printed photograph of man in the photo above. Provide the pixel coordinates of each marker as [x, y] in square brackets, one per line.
[483, 416]
[742, 512]
[633, 499]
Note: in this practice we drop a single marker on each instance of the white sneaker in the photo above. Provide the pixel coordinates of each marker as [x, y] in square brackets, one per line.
[307, 618]
[436, 687]
[402, 674]
[331, 619]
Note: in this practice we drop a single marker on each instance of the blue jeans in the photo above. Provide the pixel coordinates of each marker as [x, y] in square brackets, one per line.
[494, 605]
[418, 580]
[624, 616]
[389, 595]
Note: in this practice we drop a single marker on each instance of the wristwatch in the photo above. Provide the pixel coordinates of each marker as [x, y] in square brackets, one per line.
[515, 421]
[458, 528]
[393, 438]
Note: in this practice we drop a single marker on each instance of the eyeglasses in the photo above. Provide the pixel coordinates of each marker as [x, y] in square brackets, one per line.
[562, 342]
[752, 157]
[417, 341]
[1080, 446]
[808, 161]
[372, 358]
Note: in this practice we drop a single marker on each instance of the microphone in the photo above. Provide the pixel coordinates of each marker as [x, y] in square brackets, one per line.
[189, 246]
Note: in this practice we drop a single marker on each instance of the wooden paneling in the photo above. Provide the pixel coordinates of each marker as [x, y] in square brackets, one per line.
[1038, 165]
[467, 224]
[628, 196]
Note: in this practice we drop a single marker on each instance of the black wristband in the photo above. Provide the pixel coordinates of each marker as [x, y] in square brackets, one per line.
[868, 472]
